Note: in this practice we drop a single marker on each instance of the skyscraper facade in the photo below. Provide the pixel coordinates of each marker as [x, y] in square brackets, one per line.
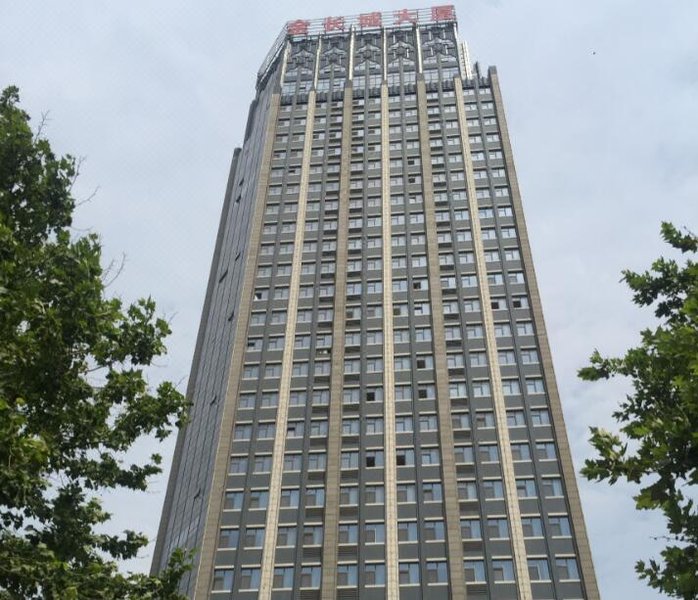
[374, 409]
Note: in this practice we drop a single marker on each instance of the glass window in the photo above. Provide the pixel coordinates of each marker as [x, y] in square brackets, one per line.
[408, 573]
[538, 569]
[474, 571]
[566, 568]
[283, 578]
[223, 580]
[228, 538]
[437, 572]
[503, 570]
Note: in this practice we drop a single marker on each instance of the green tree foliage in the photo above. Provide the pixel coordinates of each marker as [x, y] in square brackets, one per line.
[73, 395]
[657, 447]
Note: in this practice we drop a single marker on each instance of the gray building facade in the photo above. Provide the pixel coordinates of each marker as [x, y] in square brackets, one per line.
[374, 409]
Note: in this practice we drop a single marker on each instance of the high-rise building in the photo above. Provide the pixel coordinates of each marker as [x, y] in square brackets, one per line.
[374, 410]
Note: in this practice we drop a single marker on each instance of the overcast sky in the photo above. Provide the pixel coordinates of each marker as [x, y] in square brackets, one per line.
[602, 102]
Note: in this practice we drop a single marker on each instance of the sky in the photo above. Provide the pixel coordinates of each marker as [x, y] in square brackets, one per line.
[601, 102]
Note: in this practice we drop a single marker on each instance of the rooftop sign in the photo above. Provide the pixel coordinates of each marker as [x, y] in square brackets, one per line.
[372, 20]
[403, 17]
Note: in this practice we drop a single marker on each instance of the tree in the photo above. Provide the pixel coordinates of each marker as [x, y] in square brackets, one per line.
[73, 393]
[657, 446]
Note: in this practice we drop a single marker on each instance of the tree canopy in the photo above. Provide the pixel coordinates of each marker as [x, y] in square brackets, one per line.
[657, 446]
[73, 391]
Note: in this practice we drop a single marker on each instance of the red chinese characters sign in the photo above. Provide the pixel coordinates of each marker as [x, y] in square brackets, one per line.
[443, 13]
[298, 27]
[334, 24]
[405, 16]
[373, 19]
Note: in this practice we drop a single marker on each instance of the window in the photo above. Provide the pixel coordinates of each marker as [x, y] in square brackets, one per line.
[497, 528]
[492, 489]
[250, 372]
[471, 306]
[437, 572]
[545, 451]
[349, 459]
[434, 530]
[258, 499]
[428, 423]
[289, 498]
[463, 454]
[266, 431]
[408, 573]
[552, 487]
[250, 578]
[532, 526]
[502, 330]
[524, 328]
[374, 365]
[374, 573]
[467, 490]
[315, 496]
[521, 451]
[348, 533]
[506, 357]
[349, 494]
[526, 488]
[312, 535]
[298, 398]
[474, 571]
[269, 400]
[404, 423]
[488, 452]
[470, 529]
[535, 386]
[222, 580]
[374, 458]
[374, 494]
[455, 361]
[405, 457]
[238, 464]
[511, 387]
[480, 390]
[559, 526]
[484, 419]
[283, 578]
[406, 493]
[567, 568]
[243, 432]
[375, 533]
[460, 420]
[432, 492]
[430, 456]
[233, 501]
[503, 570]
[254, 537]
[473, 332]
[540, 417]
[351, 426]
[538, 569]
[529, 356]
[228, 538]
[311, 576]
[292, 462]
[347, 575]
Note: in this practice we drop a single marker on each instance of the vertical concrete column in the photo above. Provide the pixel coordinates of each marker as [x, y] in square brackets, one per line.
[390, 469]
[523, 581]
[334, 438]
[448, 462]
[576, 515]
[209, 541]
[270, 533]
